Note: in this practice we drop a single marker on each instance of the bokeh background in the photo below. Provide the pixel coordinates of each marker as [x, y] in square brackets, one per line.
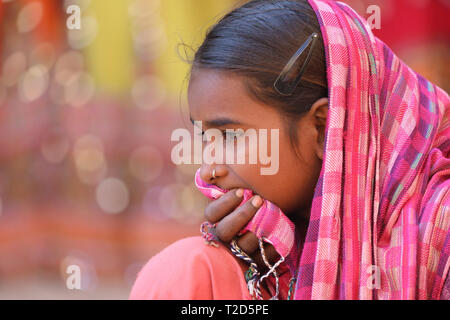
[86, 116]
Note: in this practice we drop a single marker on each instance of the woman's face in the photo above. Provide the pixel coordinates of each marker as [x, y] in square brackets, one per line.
[214, 95]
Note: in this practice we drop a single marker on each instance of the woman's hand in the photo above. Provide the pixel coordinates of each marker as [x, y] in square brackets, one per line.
[231, 219]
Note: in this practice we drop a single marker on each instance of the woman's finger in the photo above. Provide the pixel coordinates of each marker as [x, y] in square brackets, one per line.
[222, 206]
[248, 242]
[272, 256]
[232, 223]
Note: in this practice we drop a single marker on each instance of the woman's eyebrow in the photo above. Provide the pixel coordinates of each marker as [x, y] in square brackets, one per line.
[218, 122]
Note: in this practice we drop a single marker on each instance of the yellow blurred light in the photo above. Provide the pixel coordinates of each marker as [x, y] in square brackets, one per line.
[139, 7]
[81, 3]
[92, 177]
[89, 141]
[81, 38]
[149, 34]
[110, 54]
[184, 21]
[89, 159]
[147, 30]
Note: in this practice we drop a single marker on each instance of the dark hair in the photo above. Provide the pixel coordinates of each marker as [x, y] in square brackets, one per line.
[256, 40]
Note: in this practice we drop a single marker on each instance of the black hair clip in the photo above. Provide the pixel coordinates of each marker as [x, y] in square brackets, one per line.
[281, 84]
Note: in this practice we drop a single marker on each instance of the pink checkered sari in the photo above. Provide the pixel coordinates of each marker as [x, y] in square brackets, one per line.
[379, 225]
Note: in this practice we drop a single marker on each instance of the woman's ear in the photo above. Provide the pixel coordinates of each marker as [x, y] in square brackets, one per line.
[319, 112]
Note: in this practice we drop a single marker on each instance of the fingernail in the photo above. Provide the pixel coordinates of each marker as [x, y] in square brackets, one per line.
[257, 201]
[239, 192]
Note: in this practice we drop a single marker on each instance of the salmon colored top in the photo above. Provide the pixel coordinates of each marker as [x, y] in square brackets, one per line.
[189, 269]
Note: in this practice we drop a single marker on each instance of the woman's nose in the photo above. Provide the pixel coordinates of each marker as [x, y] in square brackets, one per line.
[211, 172]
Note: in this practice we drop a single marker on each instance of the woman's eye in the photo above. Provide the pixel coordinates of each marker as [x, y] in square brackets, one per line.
[226, 135]
[232, 134]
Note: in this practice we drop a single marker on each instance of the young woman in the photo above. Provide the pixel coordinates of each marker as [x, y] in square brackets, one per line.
[360, 205]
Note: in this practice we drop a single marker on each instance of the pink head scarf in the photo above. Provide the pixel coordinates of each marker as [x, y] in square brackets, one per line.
[380, 216]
